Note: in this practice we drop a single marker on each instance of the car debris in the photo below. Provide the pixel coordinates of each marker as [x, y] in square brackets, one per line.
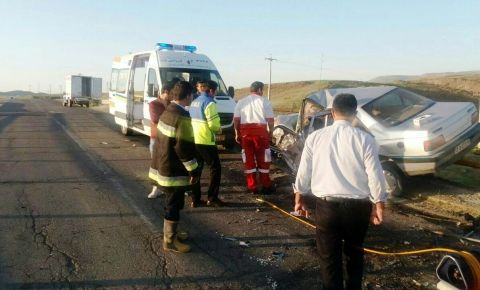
[278, 255]
[416, 135]
[243, 244]
[228, 238]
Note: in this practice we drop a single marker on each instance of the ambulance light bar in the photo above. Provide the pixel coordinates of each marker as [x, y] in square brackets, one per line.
[168, 46]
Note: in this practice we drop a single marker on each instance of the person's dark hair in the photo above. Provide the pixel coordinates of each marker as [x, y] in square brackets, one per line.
[345, 104]
[181, 91]
[201, 82]
[168, 86]
[175, 80]
[212, 85]
[256, 86]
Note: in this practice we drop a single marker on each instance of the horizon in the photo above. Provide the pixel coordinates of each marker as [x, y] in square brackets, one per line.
[311, 41]
[459, 73]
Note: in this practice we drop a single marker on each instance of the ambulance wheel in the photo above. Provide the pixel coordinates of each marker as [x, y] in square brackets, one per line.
[394, 178]
[125, 130]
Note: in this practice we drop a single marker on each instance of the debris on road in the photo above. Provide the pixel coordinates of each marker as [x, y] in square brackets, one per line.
[104, 143]
[244, 244]
[227, 238]
[278, 255]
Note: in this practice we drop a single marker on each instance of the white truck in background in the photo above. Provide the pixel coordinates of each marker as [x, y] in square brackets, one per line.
[81, 90]
[137, 79]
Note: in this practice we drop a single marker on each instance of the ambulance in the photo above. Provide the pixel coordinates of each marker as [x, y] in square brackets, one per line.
[137, 79]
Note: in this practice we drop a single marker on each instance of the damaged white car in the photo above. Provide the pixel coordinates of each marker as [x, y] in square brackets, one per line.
[416, 135]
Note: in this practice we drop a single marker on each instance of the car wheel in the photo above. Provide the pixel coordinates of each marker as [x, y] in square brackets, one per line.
[394, 178]
[125, 130]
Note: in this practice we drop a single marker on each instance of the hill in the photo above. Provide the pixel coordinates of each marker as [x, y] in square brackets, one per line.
[20, 93]
[450, 87]
[395, 78]
[287, 97]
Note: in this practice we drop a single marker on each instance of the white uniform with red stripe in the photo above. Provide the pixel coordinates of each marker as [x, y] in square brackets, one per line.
[253, 113]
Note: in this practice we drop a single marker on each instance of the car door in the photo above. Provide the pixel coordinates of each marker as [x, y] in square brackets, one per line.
[137, 89]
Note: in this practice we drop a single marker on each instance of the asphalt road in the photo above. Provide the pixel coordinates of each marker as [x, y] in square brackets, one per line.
[74, 214]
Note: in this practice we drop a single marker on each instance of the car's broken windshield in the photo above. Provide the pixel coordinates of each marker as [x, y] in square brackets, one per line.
[396, 107]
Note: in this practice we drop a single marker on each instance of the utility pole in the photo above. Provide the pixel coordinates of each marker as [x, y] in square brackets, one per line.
[270, 59]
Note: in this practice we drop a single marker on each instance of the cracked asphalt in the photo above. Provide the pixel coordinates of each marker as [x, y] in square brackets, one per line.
[74, 214]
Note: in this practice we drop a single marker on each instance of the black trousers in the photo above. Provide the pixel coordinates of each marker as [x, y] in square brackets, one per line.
[341, 228]
[208, 154]
[174, 201]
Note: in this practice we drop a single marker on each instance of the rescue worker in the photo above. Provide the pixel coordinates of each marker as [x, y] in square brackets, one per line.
[253, 121]
[341, 168]
[206, 123]
[156, 109]
[174, 167]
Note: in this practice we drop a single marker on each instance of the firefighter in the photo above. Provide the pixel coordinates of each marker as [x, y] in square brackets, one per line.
[156, 108]
[174, 167]
[206, 123]
[253, 121]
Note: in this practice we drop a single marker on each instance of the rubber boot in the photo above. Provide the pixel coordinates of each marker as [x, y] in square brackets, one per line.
[170, 240]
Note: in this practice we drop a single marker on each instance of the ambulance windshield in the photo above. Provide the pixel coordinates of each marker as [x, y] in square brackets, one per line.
[193, 76]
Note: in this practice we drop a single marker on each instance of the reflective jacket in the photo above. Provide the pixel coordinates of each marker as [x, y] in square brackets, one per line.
[205, 119]
[173, 159]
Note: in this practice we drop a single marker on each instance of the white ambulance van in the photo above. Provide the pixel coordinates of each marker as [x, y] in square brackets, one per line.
[137, 79]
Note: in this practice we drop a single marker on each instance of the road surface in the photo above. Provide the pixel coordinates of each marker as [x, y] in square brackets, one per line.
[74, 214]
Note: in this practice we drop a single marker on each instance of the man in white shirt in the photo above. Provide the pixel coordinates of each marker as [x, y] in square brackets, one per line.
[253, 121]
[341, 168]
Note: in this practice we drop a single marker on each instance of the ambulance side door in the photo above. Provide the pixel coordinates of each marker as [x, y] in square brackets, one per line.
[152, 90]
[137, 89]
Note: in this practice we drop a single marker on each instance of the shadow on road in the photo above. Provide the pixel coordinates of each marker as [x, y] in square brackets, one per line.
[9, 112]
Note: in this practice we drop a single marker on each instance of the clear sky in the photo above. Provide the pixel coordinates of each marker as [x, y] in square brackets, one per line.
[43, 41]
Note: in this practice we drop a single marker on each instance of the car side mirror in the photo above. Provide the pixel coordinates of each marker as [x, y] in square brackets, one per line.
[231, 91]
